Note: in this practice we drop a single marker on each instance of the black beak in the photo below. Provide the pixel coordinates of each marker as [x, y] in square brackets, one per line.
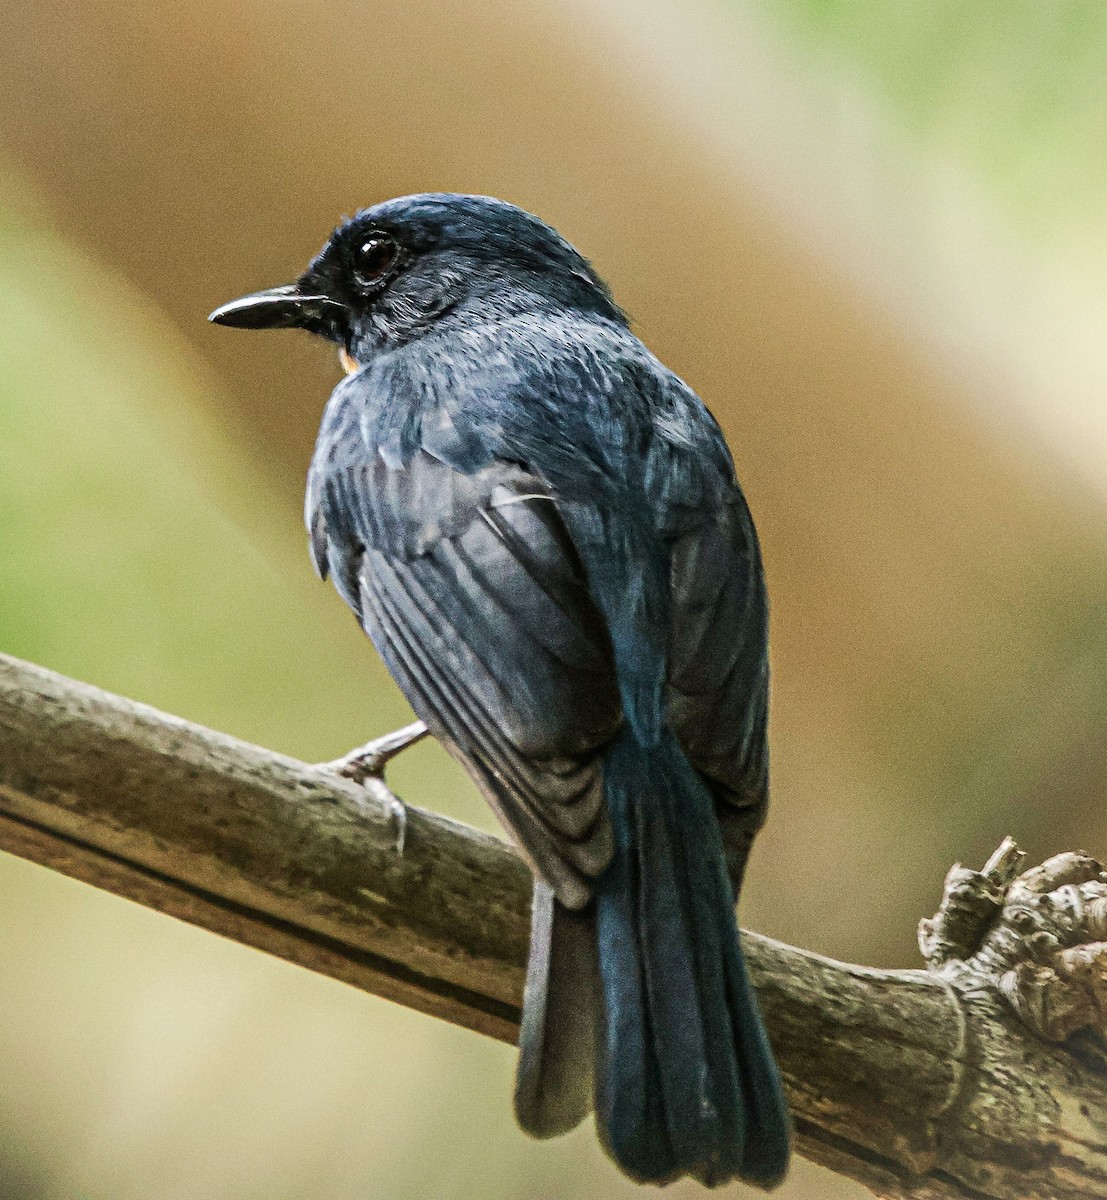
[276, 308]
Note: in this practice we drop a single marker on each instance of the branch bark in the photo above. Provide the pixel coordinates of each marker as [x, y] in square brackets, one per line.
[983, 1076]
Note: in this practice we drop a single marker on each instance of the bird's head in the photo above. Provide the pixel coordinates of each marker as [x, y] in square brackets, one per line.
[400, 269]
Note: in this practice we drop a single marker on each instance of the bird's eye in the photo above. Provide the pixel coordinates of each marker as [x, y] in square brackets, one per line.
[373, 258]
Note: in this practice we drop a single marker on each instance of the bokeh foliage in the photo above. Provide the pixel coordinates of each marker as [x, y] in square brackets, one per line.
[1015, 91]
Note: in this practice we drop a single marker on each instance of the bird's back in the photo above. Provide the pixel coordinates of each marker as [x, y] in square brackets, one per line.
[567, 424]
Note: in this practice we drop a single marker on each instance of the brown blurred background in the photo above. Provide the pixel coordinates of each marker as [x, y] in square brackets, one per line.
[870, 235]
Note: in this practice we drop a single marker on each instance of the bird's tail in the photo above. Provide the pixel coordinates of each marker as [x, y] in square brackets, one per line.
[640, 1005]
[686, 1083]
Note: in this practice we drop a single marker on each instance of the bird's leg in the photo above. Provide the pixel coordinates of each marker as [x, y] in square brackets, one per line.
[366, 764]
[372, 758]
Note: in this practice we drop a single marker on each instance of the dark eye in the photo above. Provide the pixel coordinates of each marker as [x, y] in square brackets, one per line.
[373, 258]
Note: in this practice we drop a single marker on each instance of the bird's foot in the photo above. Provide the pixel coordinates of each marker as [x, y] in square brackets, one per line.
[366, 764]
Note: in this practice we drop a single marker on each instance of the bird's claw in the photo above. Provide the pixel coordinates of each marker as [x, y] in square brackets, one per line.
[366, 764]
[380, 791]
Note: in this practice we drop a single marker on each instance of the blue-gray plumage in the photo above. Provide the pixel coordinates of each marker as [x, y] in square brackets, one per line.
[539, 527]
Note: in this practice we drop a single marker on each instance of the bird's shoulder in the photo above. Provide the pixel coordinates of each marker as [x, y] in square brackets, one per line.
[581, 400]
[424, 437]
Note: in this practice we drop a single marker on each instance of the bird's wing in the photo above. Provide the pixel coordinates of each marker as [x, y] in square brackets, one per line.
[718, 682]
[473, 594]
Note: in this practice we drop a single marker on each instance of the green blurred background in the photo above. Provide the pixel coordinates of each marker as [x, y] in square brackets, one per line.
[871, 235]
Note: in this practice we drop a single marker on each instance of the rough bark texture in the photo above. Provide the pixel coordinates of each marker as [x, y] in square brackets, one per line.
[983, 1076]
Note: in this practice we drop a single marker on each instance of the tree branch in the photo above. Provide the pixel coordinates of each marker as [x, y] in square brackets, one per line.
[920, 1084]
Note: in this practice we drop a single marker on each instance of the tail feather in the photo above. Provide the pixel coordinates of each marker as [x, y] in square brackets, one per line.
[769, 1132]
[687, 1084]
[553, 1079]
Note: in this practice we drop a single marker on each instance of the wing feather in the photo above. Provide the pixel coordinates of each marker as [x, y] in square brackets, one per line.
[718, 687]
[468, 584]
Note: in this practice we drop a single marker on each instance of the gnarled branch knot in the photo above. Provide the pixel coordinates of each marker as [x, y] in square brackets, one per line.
[1039, 938]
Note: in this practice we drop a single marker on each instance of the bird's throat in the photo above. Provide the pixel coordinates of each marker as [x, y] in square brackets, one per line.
[350, 365]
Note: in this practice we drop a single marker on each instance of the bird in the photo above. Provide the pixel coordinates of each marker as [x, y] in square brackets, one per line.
[540, 528]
